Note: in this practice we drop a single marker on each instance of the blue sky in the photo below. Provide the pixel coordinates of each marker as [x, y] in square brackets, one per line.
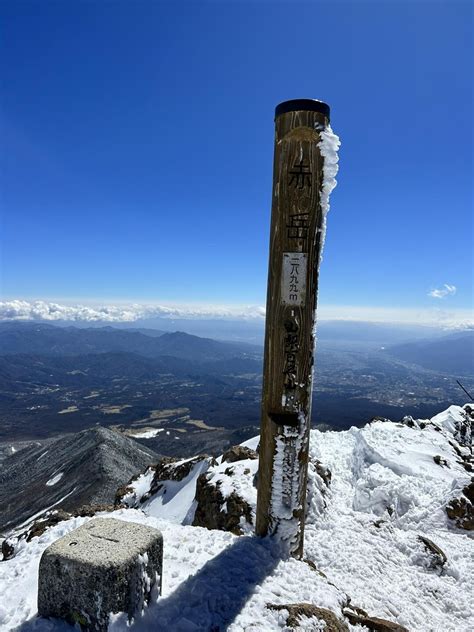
[139, 144]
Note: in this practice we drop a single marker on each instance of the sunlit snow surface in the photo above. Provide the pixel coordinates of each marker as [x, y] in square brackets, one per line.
[215, 579]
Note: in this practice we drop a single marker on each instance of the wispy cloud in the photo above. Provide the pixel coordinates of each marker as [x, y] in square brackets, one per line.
[442, 292]
[49, 311]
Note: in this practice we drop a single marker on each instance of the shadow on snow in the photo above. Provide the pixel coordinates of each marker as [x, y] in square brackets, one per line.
[208, 601]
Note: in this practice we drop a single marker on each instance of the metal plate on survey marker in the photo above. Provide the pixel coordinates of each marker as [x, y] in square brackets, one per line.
[293, 279]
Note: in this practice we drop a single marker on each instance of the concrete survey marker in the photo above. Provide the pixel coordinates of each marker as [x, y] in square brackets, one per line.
[105, 566]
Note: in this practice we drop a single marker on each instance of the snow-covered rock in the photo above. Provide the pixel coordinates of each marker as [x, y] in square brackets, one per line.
[166, 489]
[226, 497]
[380, 546]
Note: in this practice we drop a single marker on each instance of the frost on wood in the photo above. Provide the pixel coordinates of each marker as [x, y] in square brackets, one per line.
[288, 480]
[328, 146]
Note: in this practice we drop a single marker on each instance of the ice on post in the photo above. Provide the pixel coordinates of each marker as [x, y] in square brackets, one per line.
[305, 166]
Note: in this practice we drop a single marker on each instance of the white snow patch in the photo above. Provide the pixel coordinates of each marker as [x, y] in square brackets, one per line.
[139, 487]
[252, 443]
[147, 434]
[55, 479]
[175, 500]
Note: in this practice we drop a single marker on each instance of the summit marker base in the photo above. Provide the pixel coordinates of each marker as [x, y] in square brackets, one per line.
[105, 566]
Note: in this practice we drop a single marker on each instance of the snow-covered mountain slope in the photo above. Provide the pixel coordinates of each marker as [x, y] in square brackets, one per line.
[377, 533]
[74, 470]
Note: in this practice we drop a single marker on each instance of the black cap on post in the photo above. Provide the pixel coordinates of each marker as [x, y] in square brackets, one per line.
[308, 105]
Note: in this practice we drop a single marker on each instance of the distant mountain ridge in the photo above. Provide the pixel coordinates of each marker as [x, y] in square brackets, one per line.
[79, 469]
[450, 354]
[20, 372]
[45, 339]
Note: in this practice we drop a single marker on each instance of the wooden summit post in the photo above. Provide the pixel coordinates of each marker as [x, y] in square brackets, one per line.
[295, 244]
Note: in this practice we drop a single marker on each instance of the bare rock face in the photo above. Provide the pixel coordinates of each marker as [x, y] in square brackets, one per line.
[213, 511]
[172, 469]
[297, 611]
[464, 430]
[374, 623]
[468, 491]
[461, 509]
[238, 453]
[8, 549]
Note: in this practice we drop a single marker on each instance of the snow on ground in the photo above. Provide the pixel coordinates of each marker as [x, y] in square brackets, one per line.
[210, 578]
[388, 465]
[175, 501]
[386, 490]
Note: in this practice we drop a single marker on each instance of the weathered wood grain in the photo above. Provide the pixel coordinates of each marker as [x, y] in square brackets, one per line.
[289, 341]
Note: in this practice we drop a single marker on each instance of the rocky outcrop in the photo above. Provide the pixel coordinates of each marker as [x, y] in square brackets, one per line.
[464, 429]
[213, 511]
[374, 623]
[8, 549]
[238, 453]
[172, 469]
[440, 461]
[360, 611]
[461, 509]
[298, 611]
[51, 519]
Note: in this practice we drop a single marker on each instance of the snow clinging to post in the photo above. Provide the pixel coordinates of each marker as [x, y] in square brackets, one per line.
[286, 481]
[328, 146]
